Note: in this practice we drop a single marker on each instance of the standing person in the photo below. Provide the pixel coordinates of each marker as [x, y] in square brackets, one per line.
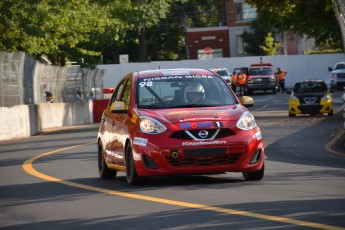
[79, 95]
[234, 81]
[242, 80]
[281, 77]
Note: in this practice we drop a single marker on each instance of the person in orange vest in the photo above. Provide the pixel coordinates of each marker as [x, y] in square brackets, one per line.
[242, 81]
[234, 81]
[281, 78]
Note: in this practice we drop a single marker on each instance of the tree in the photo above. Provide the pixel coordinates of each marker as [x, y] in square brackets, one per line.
[270, 46]
[253, 40]
[63, 30]
[315, 18]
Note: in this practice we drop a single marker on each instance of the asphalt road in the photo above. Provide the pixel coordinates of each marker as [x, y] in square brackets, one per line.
[51, 182]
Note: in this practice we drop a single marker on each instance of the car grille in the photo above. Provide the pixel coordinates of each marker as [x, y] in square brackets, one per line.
[261, 80]
[310, 109]
[194, 134]
[341, 75]
[205, 156]
[204, 160]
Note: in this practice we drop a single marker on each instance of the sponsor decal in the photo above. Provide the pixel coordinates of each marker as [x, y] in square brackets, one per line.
[210, 114]
[140, 141]
[134, 118]
[199, 119]
[201, 125]
[203, 143]
[172, 76]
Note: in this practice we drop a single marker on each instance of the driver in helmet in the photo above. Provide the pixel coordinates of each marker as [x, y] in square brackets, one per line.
[194, 92]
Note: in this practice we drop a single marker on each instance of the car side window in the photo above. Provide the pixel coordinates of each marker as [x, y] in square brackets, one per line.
[126, 97]
[118, 91]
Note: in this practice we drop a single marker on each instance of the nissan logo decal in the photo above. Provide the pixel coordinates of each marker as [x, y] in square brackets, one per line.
[203, 133]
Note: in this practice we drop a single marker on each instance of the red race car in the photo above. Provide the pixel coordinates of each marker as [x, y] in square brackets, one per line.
[178, 121]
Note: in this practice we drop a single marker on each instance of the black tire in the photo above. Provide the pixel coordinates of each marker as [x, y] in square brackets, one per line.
[330, 113]
[103, 170]
[274, 90]
[131, 173]
[257, 175]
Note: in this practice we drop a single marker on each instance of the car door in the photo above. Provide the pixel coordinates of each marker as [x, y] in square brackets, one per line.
[119, 123]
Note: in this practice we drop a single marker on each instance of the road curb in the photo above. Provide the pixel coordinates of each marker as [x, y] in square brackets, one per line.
[339, 137]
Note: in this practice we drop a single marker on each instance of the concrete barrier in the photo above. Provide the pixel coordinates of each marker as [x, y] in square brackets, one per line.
[27, 120]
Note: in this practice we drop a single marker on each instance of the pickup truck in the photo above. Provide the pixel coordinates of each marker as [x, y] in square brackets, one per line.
[261, 77]
[337, 78]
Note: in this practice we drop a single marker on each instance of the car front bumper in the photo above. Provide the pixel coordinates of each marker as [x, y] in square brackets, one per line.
[325, 106]
[238, 153]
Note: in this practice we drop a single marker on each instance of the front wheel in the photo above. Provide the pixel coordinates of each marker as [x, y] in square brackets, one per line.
[131, 173]
[256, 175]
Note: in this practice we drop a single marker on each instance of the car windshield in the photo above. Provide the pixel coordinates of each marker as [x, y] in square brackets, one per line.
[261, 71]
[310, 86]
[340, 66]
[183, 91]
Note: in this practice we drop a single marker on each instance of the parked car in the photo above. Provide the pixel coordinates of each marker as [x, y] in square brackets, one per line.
[310, 97]
[223, 72]
[178, 121]
[337, 78]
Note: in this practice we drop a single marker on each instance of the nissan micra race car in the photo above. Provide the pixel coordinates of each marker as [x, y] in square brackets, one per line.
[310, 97]
[178, 121]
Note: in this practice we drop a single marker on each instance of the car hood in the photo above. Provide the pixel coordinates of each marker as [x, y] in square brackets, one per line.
[321, 94]
[339, 71]
[195, 114]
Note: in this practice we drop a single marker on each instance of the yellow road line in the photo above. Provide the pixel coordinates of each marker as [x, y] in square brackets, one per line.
[28, 167]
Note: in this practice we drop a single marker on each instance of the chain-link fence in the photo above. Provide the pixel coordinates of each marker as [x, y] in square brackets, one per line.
[23, 80]
[11, 78]
[339, 9]
[67, 84]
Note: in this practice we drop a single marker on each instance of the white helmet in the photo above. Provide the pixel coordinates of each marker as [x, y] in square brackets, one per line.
[194, 89]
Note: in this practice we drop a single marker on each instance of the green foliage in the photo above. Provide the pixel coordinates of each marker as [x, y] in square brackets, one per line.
[63, 30]
[270, 46]
[315, 18]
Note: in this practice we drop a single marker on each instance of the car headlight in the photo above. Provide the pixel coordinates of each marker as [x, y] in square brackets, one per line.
[151, 126]
[326, 97]
[293, 97]
[246, 121]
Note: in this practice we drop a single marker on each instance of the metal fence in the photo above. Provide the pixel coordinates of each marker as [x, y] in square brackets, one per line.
[23, 80]
[11, 78]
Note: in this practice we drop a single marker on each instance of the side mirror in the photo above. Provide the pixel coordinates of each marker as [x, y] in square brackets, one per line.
[118, 107]
[330, 69]
[247, 101]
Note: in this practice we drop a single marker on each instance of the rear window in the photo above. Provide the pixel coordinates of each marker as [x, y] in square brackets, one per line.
[310, 86]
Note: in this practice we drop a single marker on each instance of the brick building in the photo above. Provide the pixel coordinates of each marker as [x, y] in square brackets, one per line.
[226, 40]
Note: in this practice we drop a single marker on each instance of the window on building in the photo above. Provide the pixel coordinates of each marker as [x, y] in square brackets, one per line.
[245, 12]
[239, 45]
